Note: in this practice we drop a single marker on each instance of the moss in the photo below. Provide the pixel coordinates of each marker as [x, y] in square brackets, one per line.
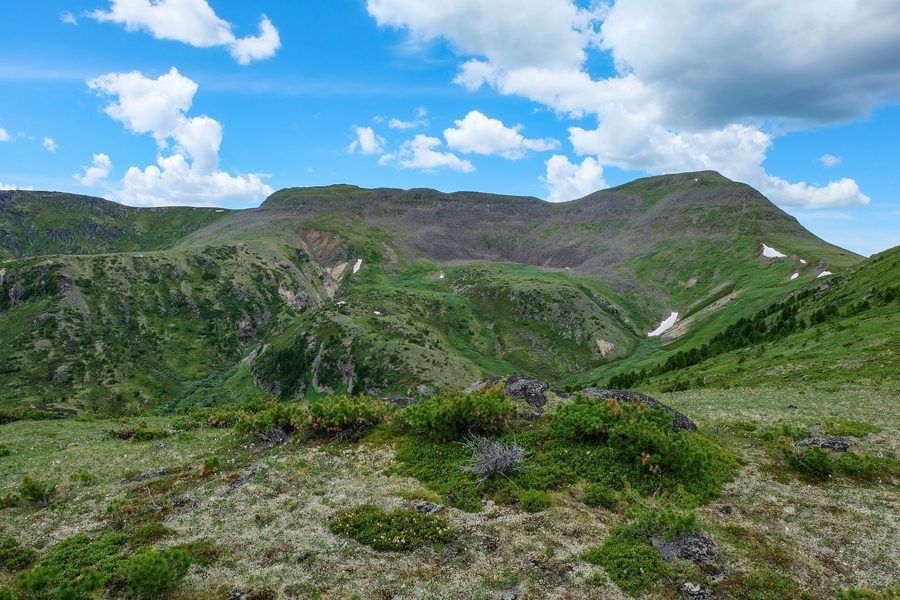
[598, 495]
[631, 562]
[401, 529]
[534, 500]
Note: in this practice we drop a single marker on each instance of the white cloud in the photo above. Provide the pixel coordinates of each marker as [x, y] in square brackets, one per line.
[478, 134]
[4, 136]
[189, 175]
[68, 18]
[420, 120]
[49, 144]
[422, 152]
[729, 78]
[567, 181]
[97, 172]
[192, 22]
[830, 160]
[6, 187]
[366, 142]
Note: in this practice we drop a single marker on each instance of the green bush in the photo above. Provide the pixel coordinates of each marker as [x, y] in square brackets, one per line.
[83, 477]
[631, 561]
[155, 574]
[6, 593]
[402, 529]
[848, 428]
[210, 465]
[4, 450]
[452, 415]
[74, 567]
[14, 556]
[596, 494]
[344, 414]
[275, 423]
[223, 418]
[139, 433]
[36, 492]
[534, 500]
[185, 423]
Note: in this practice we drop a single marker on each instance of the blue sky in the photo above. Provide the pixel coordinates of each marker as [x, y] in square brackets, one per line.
[548, 98]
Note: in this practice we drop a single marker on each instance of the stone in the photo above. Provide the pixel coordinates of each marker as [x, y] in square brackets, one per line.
[695, 547]
[838, 444]
[530, 389]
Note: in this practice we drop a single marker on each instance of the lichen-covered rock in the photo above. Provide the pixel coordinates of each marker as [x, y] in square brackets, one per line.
[695, 591]
[530, 389]
[695, 547]
[680, 421]
[839, 444]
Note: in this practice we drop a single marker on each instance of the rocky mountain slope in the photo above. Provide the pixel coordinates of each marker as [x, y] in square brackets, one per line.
[343, 288]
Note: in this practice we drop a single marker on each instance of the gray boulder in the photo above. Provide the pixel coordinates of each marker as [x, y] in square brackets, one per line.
[838, 444]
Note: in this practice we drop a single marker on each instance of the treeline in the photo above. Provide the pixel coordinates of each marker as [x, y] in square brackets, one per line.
[772, 323]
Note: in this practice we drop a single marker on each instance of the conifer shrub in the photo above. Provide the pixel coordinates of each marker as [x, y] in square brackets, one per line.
[343, 415]
[275, 423]
[398, 530]
[36, 492]
[14, 556]
[534, 500]
[152, 573]
[74, 567]
[452, 415]
[599, 495]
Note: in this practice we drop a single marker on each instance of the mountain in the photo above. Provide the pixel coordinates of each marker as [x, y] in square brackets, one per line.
[345, 288]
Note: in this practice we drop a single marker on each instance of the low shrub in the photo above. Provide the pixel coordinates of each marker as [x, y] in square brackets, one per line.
[535, 500]
[4, 450]
[83, 477]
[344, 415]
[202, 552]
[442, 467]
[493, 458]
[274, 424]
[452, 415]
[631, 562]
[185, 423]
[599, 495]
[74, 567]
[140, 433]
[14, 556]
[848, 428]
[222, 419]
[820, 464]
[210, 465]
[152, 573]
[36, 492]
[401, 529]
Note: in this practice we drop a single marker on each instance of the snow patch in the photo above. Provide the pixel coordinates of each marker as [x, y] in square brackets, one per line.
[441, 275]
[664, 326]
[376, 313]
[824, 274]
[358, 265]
[770, 252]
[795, 276]
[803, 262]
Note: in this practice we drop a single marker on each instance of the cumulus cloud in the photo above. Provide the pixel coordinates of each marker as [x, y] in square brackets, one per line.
[729, 78]
[366, 142]
[68, 18]
[477, 134]
[192, 22]
[97, 172]
[49, 144]
[830, 160]
[567, 181]
[4, 136]
[189, 175]
[423, 153]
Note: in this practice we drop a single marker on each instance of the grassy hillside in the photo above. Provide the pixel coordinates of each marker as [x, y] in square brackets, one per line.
[344, 288]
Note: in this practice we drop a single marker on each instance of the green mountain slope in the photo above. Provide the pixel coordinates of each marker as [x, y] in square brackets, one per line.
[344, 288]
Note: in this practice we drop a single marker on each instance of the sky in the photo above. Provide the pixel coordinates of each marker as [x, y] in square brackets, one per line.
[221, 102]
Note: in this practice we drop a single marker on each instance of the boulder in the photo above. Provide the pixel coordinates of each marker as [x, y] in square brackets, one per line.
[695, 547]
[530, 389]
[838, 444]
[680, 421]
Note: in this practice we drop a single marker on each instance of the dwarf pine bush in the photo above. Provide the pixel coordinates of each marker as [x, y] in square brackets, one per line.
[345, 415]
[449, 416]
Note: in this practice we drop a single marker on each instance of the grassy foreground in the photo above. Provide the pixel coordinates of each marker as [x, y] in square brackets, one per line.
[206, 511]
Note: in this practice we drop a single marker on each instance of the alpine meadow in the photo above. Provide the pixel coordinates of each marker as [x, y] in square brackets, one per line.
[642, 373]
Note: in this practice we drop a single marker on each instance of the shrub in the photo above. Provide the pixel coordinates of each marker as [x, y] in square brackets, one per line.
[534, 500]
[185, 423]
[440, 466]
[210, 465]
[596, 494]
[630, 561]
[36, 492]
[74, 567]
[274, 424]
[4, 450]
[6, 593]
[402, 529]
[449, 416]
[154, 574]
[9, 500]
[140, 433]
[491, 458]
[848, 428]
[811, 461]
[345, 415]
[222, 418]
[83, 477]
[14, 556]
